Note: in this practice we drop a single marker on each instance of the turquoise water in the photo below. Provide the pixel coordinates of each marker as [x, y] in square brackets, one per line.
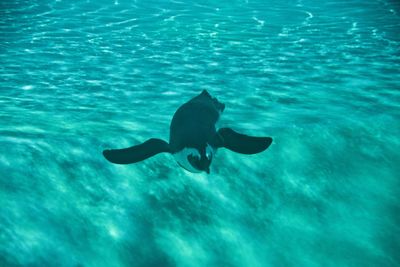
[320, 77]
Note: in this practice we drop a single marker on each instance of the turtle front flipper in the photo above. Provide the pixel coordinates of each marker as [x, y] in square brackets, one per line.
[242, 143]
[137, 153]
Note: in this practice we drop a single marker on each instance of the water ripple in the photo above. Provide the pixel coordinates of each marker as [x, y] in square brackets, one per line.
[80, 76]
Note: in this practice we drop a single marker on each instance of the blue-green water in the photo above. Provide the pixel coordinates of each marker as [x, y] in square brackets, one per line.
[320, 77]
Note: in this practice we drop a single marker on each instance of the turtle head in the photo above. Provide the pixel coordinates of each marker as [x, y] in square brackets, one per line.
[201, 161]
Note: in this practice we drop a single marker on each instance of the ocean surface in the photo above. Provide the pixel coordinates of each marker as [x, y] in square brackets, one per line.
[320, 77]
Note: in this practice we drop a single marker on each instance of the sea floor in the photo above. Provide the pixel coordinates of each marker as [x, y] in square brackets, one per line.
[321, 78]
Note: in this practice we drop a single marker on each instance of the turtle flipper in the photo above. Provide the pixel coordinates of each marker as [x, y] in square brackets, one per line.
[242, 143]
[137, 153]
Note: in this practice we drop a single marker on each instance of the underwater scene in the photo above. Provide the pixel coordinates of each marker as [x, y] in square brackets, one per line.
[321, 78]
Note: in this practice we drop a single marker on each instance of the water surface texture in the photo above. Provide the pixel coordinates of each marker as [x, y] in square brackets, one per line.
[320, 77]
